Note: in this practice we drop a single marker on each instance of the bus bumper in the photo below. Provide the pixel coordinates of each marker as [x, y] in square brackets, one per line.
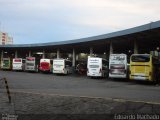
[117, 76]
[94, 74]
[139, 77]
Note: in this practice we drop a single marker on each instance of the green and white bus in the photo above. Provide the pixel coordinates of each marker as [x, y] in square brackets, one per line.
[6, 64]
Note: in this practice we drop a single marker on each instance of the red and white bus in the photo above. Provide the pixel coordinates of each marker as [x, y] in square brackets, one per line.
[18, 64]
[46, 65]
[31, 64]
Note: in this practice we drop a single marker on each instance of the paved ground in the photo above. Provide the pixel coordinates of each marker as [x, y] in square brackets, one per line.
[29, 106]
[38, 96]
[81, 86]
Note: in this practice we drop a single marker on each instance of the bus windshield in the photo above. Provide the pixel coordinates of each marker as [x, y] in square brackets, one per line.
[94, 66]
[30, 59]
[17, 60]
[6, 63]
[117, 58]
[140, 58]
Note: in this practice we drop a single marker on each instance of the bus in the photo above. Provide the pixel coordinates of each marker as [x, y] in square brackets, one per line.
[97, 67]
[81, 68]
[46, 65]
[118, 66]
[31, 64]
[142, 67]
[6, 64]
[62, 66]
[18, 64]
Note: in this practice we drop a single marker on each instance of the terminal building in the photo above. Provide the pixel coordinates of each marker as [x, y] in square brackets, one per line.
[141, 39]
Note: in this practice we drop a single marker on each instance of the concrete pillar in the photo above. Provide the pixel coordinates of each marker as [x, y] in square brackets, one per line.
[30, 54]
[77, 57]
[43, 55]
[1, 57]
[91, 51]
[16, 54]
[135, 47]
[58, 53]
[73, 58]
[111, 48]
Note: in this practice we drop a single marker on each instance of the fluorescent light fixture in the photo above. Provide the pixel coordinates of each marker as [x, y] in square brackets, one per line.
[39, 53]
[157, 48]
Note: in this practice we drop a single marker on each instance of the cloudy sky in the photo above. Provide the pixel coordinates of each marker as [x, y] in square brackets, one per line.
[40, 21]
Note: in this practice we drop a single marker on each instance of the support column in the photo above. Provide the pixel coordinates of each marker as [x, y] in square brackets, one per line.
[43, 56]
[111, 48]
[73, 58]
[16, 54]
[135, 47]
[58, 53]
[1, 56]
[30, 54]
[91, 51]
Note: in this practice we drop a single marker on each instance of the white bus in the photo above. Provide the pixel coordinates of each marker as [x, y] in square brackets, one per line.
[31, 64]
[18, 64]
[46, 65]
[118, 66]
[97, 67]
[62, 66]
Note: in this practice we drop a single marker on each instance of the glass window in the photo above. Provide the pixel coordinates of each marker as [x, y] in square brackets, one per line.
[140, 58]
[94, 66]
[17, 60]
[30, 64]
[68, 63]
[30, 59]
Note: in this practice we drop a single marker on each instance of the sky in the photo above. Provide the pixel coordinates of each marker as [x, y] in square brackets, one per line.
[41, 21]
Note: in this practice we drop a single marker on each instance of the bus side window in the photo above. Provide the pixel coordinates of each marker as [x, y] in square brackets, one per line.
[68, 64]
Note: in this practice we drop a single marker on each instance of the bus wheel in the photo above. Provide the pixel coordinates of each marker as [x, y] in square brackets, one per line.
[156, 82]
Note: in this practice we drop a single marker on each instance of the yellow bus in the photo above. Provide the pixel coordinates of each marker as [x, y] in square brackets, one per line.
[142, 67]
